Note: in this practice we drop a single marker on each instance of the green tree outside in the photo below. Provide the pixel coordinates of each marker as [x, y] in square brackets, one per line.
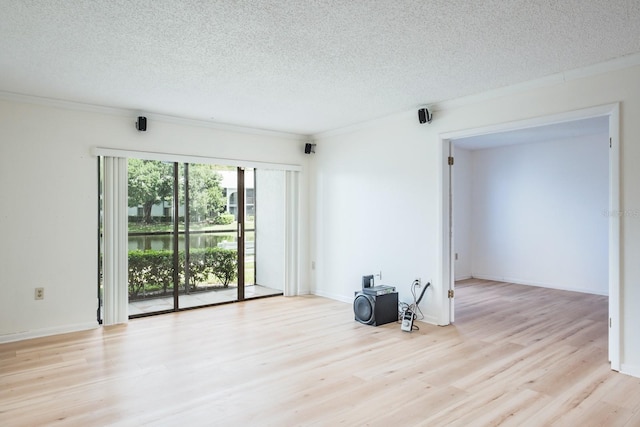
[205, 193]
[150, 182]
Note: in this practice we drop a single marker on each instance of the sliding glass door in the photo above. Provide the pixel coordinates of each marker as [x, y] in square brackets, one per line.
[180, 234]
[192, 236]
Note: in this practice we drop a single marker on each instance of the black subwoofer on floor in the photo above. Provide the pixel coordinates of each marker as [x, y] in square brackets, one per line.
[376, 310]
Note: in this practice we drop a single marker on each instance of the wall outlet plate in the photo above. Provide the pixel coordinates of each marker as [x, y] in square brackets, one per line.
[39, 293]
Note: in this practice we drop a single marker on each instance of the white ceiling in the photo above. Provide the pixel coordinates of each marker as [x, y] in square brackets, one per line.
[299, 66]
[546, 133]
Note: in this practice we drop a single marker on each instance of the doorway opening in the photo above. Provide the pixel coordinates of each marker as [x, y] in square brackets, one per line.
[609, 115]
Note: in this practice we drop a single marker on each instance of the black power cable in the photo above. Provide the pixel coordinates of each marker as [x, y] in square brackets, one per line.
[414, 308]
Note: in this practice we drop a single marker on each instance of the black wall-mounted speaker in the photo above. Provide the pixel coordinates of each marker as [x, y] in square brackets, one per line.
[141, 124]
[309, 148]
[376, 310]
[424, 116]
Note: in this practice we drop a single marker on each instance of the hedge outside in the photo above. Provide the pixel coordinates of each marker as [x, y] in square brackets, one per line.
[153, 270]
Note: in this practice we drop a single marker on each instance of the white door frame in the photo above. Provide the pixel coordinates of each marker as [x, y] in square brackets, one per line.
[610, 110]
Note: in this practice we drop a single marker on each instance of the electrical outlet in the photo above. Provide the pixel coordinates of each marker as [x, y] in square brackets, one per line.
[419, 281]
[39, 294]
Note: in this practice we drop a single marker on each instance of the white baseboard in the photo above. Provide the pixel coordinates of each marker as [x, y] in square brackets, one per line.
[430, 320]
[632, 370]
[45, 332]
[336, 297]
[518, 281]
[465, 277]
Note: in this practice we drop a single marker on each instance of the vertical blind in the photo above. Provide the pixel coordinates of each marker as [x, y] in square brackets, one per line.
[292, 235]
[115, 264]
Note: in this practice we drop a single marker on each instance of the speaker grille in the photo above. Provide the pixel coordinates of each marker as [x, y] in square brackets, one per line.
[363, 308]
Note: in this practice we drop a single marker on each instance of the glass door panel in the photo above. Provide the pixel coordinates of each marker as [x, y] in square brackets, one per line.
[265, 225]
[208, 271]
[249, 233]
[150, 227]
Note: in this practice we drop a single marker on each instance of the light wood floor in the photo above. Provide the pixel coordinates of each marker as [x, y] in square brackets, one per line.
[517, 355]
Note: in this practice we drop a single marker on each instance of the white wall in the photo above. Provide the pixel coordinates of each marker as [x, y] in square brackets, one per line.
[374, 209]
[463, 211]
[537, 214]
[377, 197]
[49, 215]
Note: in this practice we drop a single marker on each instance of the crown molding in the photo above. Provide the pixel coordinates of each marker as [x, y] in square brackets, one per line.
[616, 64]
[363, 125]
[124, 112]
[620, 63]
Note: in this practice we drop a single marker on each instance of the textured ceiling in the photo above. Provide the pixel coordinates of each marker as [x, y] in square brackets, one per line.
[299, 66]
